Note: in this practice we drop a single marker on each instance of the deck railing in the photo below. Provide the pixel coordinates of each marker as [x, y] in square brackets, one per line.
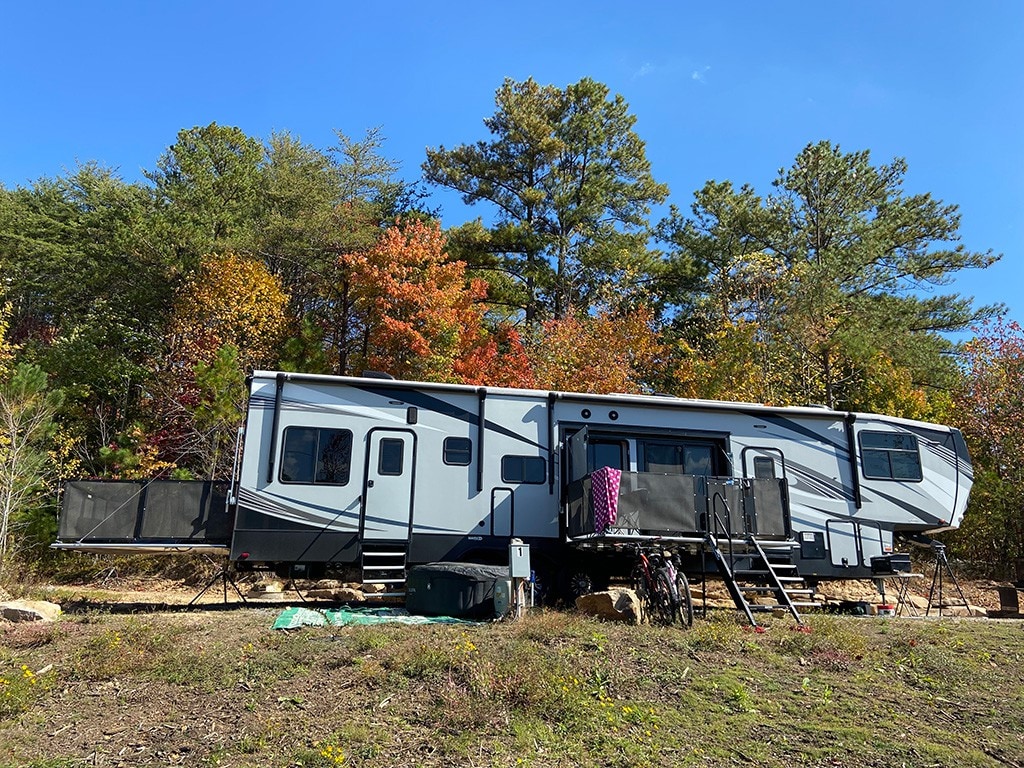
[654, 504]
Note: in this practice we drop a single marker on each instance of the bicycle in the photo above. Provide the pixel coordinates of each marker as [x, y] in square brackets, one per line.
[662, 587]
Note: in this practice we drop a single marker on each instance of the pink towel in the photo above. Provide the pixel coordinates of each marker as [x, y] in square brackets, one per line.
[605, 496]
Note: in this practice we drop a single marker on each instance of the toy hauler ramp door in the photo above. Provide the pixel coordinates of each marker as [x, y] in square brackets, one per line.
[144, 516]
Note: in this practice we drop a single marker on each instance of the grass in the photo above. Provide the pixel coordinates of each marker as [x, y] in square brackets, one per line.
[553, 689]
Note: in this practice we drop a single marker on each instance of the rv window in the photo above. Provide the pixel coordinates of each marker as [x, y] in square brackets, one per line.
[458, 451]
[890, 456]
[605, 453]
[663, 457]
[389, 461]
[523, 469]
[764, 468]
[698, 460]
[316, 456]
[687, 458]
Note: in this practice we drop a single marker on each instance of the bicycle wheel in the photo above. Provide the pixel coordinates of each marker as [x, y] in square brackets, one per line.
[685, 608]
[664, 604]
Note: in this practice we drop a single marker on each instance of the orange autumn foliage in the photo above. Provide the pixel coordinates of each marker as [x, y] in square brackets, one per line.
[415, 309]
[599, 354]
[496, 359]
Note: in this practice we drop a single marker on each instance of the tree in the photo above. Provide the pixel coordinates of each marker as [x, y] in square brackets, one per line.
[572, 189]
[208, 186]
[411, 309]
[234, 300]
[27, 409]
[989, 407]
[229, 318]
[321, 207]
[6, 348]
[848, 264]
[90, 285]
[494, 358]
[601, 354]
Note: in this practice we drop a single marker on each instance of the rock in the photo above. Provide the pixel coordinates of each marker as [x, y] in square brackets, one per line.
[616, 604]
[268, 590]
[338, 595]
[963, 610]
[29, 610]
[328, 584]
[920, 603]
[853, 591]
[373, 589]
[349, 595]
[320, 594]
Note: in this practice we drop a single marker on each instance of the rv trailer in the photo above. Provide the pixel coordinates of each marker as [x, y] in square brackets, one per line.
[341, 473]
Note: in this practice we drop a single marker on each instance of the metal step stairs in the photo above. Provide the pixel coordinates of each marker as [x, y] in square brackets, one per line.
[749, 572]
[384, 563]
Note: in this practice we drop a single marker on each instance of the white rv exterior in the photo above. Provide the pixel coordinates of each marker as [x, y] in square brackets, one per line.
[332, 466]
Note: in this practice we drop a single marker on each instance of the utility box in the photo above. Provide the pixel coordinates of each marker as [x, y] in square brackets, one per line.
[503, 598]
[518, 559]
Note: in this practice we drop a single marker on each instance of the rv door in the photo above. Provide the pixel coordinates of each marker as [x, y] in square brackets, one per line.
[578, 468]
[387, 494]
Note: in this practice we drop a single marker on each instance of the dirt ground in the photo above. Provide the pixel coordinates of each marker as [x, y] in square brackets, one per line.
[139, 679]
[101, 711]
[153, 592]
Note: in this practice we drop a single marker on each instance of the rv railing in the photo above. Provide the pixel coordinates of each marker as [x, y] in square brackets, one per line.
[722, 525]
[682, 507]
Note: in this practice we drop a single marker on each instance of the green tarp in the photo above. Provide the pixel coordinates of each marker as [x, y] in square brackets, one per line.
[292, 618]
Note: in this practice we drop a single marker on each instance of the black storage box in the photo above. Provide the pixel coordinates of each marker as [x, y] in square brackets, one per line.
[897, 562]
[460, 590]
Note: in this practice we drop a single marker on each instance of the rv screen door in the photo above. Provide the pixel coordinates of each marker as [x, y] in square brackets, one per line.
[387, 505]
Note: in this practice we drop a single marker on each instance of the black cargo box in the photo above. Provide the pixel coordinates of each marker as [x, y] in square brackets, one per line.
[897, 562]
[461, 590]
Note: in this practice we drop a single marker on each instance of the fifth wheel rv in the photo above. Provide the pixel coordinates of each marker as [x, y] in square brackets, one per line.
[378, 474]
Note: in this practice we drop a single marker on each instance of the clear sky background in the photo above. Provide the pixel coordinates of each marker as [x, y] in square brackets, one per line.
[724, 90]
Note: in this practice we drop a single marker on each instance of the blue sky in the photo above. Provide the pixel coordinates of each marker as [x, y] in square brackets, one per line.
[726, 90]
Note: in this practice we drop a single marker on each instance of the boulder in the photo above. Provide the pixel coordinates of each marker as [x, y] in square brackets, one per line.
[29, 610]
[616, 604]
[373, 589]
[852, 591]
[268, 590]
[349, 595]
[917, 602]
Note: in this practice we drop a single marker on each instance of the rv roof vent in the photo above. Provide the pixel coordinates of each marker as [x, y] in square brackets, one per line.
[818, 405]
[377, 375]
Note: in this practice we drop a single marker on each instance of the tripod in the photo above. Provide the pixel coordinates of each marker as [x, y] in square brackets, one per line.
[224, 576]
[942, 568]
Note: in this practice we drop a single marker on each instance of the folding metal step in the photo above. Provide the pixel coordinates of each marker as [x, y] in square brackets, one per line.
[384, 565]
[754, 573]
